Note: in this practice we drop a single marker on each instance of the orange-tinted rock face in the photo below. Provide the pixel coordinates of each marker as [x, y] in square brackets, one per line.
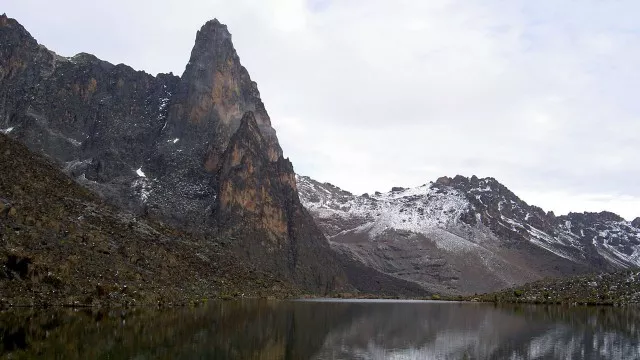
[85, 90]
[226, 91]
[247, 182]
[256, 203]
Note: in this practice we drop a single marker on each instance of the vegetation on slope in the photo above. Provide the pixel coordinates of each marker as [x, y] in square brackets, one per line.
[618, 288]
[62, 245]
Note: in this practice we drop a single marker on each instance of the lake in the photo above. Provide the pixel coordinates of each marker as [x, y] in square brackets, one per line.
[331, 329]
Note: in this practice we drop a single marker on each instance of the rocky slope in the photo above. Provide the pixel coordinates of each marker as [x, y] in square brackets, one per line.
[465, 235]
[60, 244]
[196, 151]
[616, 288]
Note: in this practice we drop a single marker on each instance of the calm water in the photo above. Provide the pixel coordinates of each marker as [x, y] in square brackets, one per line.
[324, 330]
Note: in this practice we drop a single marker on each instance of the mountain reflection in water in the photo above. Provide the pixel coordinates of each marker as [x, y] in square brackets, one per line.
[261, 329]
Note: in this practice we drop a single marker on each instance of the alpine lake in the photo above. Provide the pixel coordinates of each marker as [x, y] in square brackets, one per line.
[323, 329]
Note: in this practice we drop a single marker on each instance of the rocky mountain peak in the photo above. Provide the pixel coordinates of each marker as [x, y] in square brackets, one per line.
[214, 71]
[6, 21]
[214, 93]
[482, 192]
[636, 222]
[214, 25]
[593, 217]
[212, 47]
[444, 180]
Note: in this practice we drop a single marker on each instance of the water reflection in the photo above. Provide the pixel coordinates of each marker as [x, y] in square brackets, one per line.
[324, 330]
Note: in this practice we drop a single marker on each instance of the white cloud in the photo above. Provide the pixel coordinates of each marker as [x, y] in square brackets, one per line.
[372, 94]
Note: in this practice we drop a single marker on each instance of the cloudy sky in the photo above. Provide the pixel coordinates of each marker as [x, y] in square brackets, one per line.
[370, 94]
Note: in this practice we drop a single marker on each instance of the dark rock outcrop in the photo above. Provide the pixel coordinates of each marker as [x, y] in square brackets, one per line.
[100, 121]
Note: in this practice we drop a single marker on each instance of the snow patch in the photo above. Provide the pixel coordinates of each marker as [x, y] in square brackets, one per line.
[142, 187]
[163, 104]
[7, 130]
[74, 142]
[140, 173]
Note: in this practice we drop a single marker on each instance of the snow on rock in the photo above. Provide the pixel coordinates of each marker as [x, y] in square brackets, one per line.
[7, 130]
[418, 210]
[140, 173]
[465, 206]
[163, 104]
[142, 187]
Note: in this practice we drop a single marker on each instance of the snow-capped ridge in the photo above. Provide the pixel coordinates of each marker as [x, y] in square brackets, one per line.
[484, 204]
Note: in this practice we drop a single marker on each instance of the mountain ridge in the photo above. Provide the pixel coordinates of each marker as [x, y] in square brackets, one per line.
[408, 230]
[444, 178]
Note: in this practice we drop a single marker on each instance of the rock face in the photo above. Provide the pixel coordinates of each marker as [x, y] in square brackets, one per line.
[62, 245]
[465, 235]
[196, 151]
[214, 93]
[258, 202]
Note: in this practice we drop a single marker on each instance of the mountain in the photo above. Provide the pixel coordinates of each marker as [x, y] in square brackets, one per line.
[195, 153]
[467, 235]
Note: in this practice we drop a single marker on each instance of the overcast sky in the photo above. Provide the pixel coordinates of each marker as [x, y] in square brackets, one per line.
[370, 94]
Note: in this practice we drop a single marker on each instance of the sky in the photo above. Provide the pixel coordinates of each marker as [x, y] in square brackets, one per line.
[370, 94]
